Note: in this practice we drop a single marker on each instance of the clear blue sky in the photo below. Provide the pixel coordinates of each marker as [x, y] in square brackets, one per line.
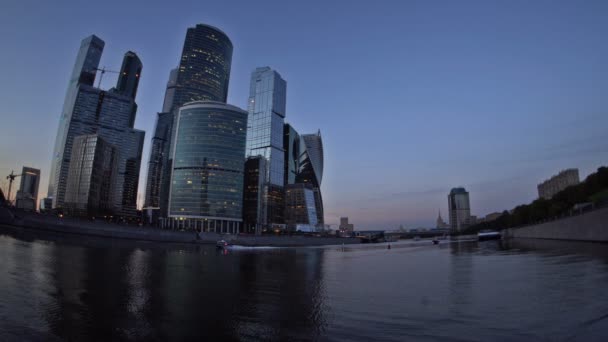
[412, 97]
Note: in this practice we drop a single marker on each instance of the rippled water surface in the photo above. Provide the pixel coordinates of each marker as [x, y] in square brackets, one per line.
[75, 288]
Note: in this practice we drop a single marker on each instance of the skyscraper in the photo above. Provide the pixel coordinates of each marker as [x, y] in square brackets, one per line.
[266, 107]
[311, 168]
[85, 68]
[253, 194]
[108, 113]
[460, 209]
[206, 192]
[27, 195]
[202, 75]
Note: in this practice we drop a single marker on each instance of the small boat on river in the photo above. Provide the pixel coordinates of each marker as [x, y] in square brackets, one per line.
[221, 244]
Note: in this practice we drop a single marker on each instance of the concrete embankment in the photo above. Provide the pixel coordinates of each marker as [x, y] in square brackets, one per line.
[591, 226]
[55, 224]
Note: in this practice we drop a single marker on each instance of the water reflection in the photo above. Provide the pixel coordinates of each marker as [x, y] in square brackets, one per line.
[94, 289]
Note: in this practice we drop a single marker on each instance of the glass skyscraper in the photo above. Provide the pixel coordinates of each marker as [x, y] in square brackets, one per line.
[206, 190]
[85, 69]
[202, 75]
[266, 107]
[92, 176]
[460, 209]
[110, 115]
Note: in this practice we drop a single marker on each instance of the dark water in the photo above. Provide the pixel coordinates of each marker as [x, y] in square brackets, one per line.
[75, 288]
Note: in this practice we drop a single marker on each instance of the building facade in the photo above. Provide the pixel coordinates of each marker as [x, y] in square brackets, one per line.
[266, 113]
[27, 195]
[91, 179]
[203, 74]
[460, 209]
[300, 212]
[440, 223]
[110, 114]
[206, 192]
[557, 183]
[253, 194]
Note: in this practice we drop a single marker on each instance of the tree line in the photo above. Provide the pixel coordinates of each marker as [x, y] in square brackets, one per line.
[593, 190]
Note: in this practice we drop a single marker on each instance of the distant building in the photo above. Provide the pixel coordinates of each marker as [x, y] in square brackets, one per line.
[91, 178]
[460, 209]
[345, 228]
[440, 222]
[206, 192]
[300, 207]
[557, 183]
[27, 195]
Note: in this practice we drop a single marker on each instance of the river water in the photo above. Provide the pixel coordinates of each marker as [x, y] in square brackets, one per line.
[77, 288]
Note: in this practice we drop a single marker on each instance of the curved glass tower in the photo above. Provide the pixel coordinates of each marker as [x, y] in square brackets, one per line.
[202, 75]
[206, 189]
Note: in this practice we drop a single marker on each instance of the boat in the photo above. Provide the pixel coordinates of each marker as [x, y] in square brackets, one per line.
[488, 235]
[221, 244]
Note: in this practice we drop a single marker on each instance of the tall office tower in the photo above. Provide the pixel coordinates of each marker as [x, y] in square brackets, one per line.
[291, 146]
[109, 114]
[311, 168]
[206, 192]
[202, 75]
[253, 194]
[266, 107]
[84, 72]
[92, 175]
[460, 209]
[27, 195]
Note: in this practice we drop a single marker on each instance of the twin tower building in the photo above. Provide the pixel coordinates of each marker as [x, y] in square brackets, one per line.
[212, 167]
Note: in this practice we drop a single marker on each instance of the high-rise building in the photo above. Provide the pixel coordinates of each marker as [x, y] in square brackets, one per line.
[440, 222]
[206, 192]
[291, 146]
[83, 73]
[460, 209]
[92, 176]
[202, 75]
[266, 107]
[253, 194]
[27, 195]
[311, 168]
[557, 183]
[110, 114]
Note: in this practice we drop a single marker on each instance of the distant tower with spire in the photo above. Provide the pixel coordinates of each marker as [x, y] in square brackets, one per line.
[440, 222]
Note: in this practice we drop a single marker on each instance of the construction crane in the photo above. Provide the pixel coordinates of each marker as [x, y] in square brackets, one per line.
[10, 178]
[103, 71]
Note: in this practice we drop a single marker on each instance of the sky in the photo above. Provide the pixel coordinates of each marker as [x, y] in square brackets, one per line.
[412, 97]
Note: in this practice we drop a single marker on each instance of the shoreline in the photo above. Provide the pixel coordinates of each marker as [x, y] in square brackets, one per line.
[73, 226]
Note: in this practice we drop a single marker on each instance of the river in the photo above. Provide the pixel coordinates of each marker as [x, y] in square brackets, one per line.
[78, 288]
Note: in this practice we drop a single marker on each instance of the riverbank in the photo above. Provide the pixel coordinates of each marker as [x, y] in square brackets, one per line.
[591, 226]
[54, 224]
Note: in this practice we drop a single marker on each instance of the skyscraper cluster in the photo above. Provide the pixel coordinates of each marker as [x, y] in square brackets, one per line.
[212, 167]
[97, 154]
